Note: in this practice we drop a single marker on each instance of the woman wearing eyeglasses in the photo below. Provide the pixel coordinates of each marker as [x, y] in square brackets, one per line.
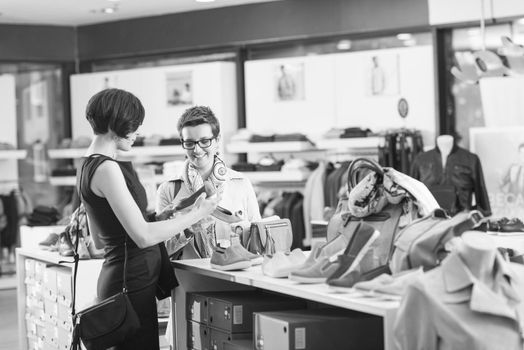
[199, 130]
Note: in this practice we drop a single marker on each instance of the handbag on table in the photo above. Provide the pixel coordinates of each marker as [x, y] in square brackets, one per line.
[269, 237]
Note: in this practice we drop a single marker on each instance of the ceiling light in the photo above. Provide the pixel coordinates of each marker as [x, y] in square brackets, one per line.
[410, 42]
[404, 36]
[109, 10]
[344, 44]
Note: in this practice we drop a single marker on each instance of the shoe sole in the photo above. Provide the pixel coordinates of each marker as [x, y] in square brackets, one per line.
[257, 261]
[307, 280]
[361, 253]
[240, 265]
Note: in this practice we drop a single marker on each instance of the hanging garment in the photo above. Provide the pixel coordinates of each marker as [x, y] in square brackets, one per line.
[449, 309]
[463, 172]
[314, 198]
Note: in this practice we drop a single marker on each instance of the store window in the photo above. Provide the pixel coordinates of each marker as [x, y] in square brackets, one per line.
[39, 122]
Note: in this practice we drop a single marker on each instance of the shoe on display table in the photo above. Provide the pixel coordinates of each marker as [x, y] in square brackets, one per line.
[230, 258]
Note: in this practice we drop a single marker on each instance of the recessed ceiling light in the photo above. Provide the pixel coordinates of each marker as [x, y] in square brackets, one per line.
[344, 44]
[404, 36]
[109, 10]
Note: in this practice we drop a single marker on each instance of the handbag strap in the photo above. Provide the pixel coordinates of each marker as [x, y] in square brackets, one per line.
[76, 256]
[362, 163]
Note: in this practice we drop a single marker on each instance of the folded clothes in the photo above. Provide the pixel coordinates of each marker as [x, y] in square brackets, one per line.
[261, 138]
[170, 141]
[290, 137]
[244, 167]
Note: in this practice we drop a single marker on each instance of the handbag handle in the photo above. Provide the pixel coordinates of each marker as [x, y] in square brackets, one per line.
[362, 163]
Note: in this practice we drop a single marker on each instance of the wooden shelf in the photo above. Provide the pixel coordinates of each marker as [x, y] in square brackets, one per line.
[13, 154]
[270, 147]
[148, 151]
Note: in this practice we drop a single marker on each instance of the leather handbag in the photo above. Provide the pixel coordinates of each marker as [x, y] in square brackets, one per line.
[423, 242]
[107, 323]
[269, 237]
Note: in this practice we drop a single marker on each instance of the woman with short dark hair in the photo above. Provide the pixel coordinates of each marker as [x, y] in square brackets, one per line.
[115, 203]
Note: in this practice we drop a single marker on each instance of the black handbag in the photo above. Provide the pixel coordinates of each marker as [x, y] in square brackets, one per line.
[107, 323]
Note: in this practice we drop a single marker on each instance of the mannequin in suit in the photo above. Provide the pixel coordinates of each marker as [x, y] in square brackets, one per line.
[453, 175]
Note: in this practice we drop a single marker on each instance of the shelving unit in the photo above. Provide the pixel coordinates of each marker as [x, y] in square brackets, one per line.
[71, 180]
[13, 154]
[269, 147]
[145, 151]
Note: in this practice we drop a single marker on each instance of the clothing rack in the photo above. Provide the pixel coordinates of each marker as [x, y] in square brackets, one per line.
[400, 148]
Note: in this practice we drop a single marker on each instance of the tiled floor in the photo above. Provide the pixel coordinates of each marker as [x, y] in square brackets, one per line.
[8, 320]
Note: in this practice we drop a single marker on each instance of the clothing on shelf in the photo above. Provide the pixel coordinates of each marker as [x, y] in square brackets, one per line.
[455, 184]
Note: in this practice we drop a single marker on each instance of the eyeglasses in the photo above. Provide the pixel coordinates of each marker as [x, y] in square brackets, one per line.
[202, 143]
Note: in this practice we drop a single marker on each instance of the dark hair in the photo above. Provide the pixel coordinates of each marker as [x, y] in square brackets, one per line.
[199, 115]
[116, 110]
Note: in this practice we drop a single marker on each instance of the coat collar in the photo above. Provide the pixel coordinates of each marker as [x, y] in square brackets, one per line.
[230, 175]
[457, 278]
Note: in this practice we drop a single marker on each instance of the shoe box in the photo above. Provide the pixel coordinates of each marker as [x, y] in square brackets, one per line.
[310, 329]
[202, 337]
[233, 311]
[245, 344]
[215, 318]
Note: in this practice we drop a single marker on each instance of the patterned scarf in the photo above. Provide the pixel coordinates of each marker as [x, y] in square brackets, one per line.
[205, 232]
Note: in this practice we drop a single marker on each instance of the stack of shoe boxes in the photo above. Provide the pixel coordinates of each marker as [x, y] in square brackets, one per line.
[314, 329]
[218, 318]
[48, 306]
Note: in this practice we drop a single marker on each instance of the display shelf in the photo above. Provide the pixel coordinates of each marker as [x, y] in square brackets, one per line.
[71, 180]
[146, 151]
[270, 147]
[276, 176]
[356, 143]
[197, 275]
[13, 154]
[62, 180]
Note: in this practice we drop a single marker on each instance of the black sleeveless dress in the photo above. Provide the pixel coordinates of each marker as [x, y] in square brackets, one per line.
[143, 265]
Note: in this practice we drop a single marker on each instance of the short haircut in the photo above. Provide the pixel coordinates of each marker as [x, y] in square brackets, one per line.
[198, 115]
[116, 110]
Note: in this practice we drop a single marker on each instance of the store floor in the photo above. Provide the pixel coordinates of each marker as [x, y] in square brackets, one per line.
[9, 320]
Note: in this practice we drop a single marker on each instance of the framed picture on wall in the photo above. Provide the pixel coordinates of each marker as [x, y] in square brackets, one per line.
[383, 75]
[179, 87]
[503, 167]
[289, 82]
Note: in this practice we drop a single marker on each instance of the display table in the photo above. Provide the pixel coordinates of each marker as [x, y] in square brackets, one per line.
[51, 324]
[197, 275]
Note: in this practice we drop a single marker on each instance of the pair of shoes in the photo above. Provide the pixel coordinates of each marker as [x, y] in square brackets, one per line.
[504, 225]
[330, 264]
[280, 264]
[50, 243]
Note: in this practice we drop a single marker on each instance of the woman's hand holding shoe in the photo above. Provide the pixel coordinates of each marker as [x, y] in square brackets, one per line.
[205, 206]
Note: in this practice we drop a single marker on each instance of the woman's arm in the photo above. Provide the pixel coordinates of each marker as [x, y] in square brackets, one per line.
[108, 181]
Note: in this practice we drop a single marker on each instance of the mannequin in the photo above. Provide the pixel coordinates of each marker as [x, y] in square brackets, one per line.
[453, 175]
[478, 252]
[445, 144]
